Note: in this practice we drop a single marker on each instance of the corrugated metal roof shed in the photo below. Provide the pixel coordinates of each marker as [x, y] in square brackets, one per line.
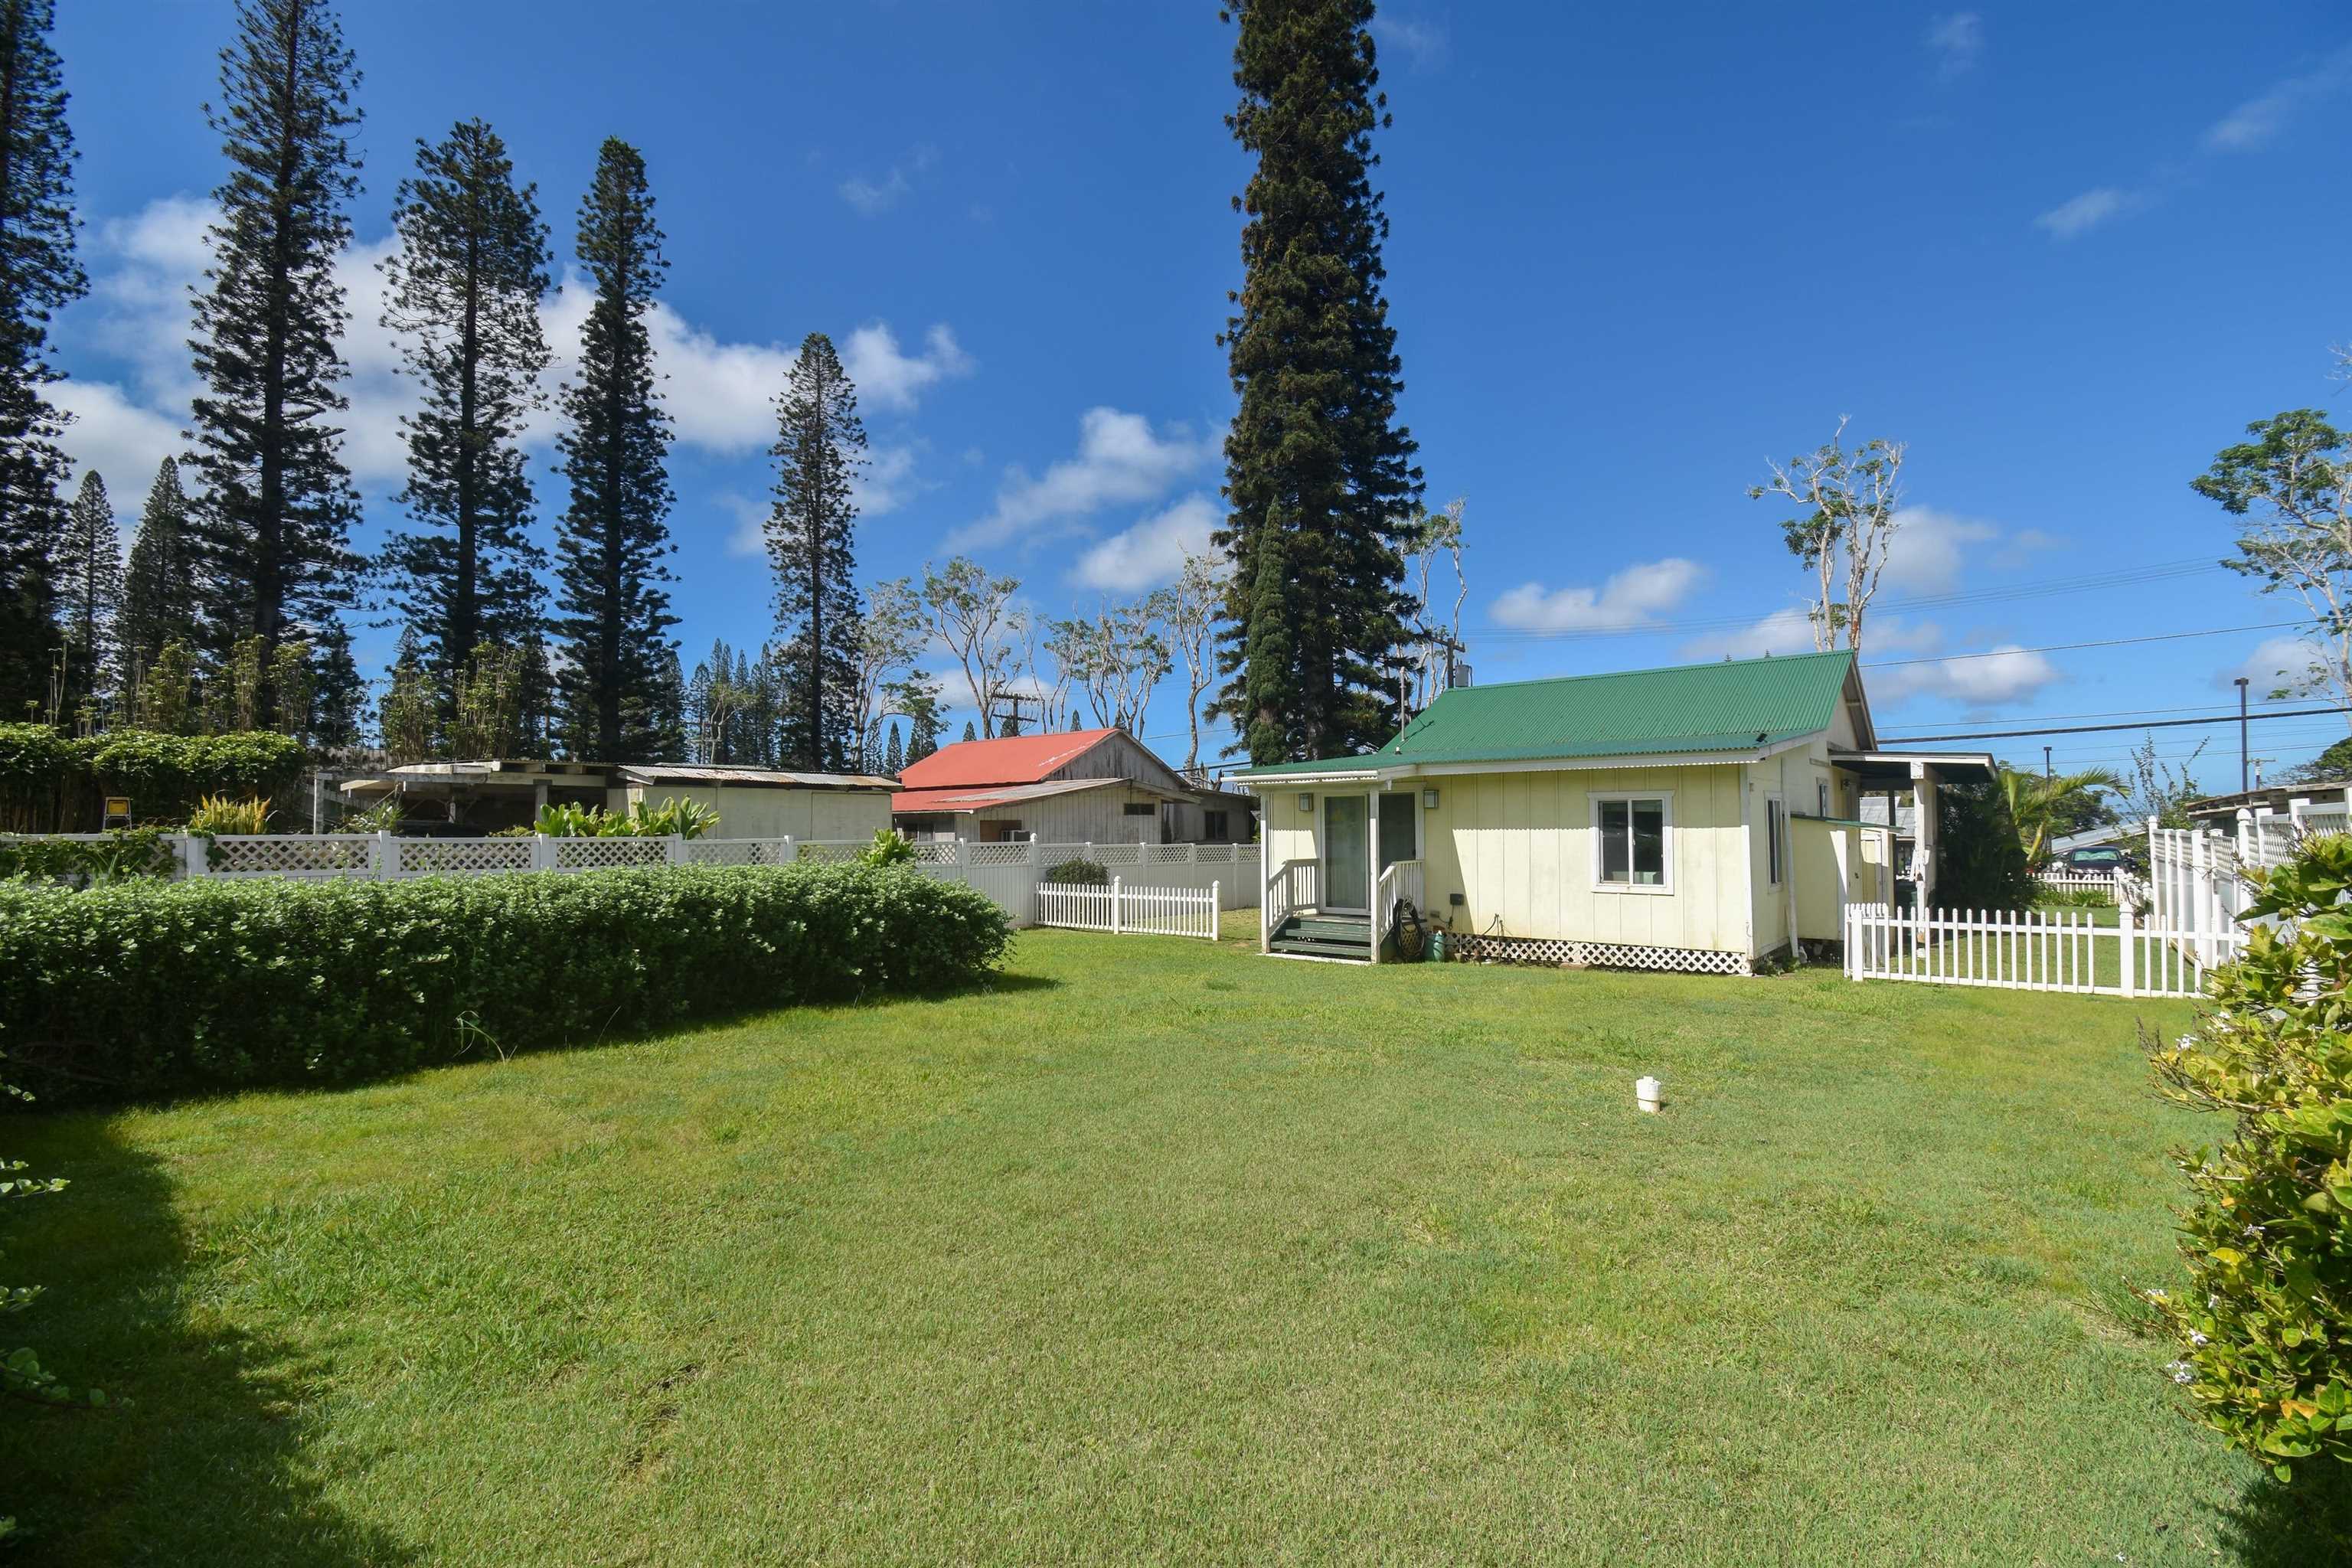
[1736, 706]
[1005, 759]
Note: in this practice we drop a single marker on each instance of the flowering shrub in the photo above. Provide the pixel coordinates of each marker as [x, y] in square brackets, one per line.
[146, 988]
[2265, 1326]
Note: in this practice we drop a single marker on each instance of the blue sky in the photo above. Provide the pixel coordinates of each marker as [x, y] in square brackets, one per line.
[2064, 253]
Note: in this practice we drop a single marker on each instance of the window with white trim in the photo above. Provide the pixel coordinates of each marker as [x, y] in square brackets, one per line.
[1775, 838]
[1633, 842]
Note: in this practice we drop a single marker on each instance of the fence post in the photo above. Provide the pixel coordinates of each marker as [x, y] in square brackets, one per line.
[673, 848]
[1114, 903]
[193, 862]
[387, 856]
[1216, 903]
[2124, 929]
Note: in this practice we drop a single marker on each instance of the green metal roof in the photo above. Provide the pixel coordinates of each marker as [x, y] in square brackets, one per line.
[1736, 706]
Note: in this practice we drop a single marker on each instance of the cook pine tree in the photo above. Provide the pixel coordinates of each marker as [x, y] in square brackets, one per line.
[463, 289]
[159, 583]
[39, 275]
[88, 568]
[614, 685]
[277, 507]
[1320, 484]
[820, 448]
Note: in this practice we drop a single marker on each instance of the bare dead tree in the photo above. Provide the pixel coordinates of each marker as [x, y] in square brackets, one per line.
[1852, 507]
[973, 614]
[1188, 608]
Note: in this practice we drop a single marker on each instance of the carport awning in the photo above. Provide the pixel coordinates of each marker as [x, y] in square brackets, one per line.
[1894, 770]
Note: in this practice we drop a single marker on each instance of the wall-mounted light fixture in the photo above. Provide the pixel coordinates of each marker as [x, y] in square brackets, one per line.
[1306, 801]
[1429, 798]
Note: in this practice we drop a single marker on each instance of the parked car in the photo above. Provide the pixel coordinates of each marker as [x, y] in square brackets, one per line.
[2096, 860]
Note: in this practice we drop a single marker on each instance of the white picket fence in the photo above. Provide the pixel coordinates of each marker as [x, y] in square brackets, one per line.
[2079, 881]
[2034, 950]
[1123, 910]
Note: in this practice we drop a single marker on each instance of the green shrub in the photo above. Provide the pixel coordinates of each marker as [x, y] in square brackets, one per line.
[142, 989]
[124, 853]
[887, 849]
[53, 783]
[2265, 1326]
[686, 818]
[1079, 873]
[1979, 864]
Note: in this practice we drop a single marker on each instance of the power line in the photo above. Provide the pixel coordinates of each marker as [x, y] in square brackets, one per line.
[2089, 728]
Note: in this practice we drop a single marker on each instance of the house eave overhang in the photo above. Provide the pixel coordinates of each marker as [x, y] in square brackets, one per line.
[1271, 783]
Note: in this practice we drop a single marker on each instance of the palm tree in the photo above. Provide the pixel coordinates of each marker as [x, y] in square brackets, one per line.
[2038, 804]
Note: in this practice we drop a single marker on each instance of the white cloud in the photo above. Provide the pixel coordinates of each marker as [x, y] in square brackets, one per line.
[1958, 40]
[1153, 551]
[887, 483]
[2278, 663]
[1424, 41]
[1121, 460]
[887, 378]
[124, 442]
[2007, 673]
[1931, 549]
[1630, 598]
[721, 395]
[873, 198]
[2084, 212]
[2258, 120]
[1780, 633]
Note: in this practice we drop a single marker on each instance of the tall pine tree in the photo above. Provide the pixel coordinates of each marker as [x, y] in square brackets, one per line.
[39, 275]
[159, 585]
[88, 566]
[820, 447]
[1318, 475]
[464, 287]
[615, 678]
[277, 500]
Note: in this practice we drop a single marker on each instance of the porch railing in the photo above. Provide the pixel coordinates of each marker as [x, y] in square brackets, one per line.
[1401, 882]
[1289, 888]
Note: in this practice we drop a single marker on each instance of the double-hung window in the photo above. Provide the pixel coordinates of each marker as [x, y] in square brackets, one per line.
[1633, 842]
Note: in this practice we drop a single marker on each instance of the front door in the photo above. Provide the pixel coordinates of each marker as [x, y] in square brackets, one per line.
[1346, 854]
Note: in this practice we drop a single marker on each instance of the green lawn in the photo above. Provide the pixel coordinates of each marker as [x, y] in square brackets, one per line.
[1159, 1252]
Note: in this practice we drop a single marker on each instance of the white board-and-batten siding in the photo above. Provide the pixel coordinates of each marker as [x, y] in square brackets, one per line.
[748, 811]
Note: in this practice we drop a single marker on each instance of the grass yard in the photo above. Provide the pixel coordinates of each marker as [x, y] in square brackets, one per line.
[1158, 1252]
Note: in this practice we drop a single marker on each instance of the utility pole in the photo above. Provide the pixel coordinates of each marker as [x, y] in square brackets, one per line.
[2046, 774]
[2243, 763]
[1013, 701]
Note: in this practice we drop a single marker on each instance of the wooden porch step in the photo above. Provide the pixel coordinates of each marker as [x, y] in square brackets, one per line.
[1324, 936]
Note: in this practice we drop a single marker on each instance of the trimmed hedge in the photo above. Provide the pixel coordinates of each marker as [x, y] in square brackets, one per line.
[147, 989]
[52, 782]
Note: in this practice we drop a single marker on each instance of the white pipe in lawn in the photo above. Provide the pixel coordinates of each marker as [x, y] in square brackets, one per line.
[1645, 1094]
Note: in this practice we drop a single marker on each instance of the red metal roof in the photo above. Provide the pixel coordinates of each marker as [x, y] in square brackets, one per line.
[988, 798]
[1012, 759]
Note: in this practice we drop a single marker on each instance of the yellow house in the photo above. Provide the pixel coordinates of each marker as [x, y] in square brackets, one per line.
[1700, 817]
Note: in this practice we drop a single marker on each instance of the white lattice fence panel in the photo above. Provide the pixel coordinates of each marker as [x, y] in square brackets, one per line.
[609, 854]
[830, 851]
[1214, 855]
[312, 857]
[999, 853]
[1115, 853]
[1168, 854]
[936, 852]
[460, 857]
[1554, 951]
[739, 851]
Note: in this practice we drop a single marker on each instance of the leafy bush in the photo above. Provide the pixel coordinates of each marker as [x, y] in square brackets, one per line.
[686, 818]
[218, 813]
[146, 988]
[887, 849]
[124, 853]
[1079, 873]
[2265, 1326]
[51, 783]
[1980, 863]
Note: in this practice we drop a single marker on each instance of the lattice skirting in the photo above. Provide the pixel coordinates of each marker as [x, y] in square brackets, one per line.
[1598, 954]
